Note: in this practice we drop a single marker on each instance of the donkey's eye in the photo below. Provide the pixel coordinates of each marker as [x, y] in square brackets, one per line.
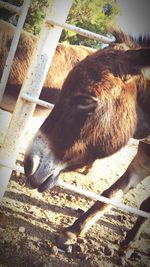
[83, 102]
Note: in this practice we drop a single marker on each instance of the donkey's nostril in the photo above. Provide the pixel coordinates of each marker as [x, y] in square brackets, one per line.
[31, 164]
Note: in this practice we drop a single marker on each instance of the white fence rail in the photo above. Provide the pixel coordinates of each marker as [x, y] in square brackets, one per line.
[82, 32]
[36, 101]
[94, 196]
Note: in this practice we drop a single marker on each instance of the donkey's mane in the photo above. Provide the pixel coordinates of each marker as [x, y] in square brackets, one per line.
[130, 41]
[144, 41]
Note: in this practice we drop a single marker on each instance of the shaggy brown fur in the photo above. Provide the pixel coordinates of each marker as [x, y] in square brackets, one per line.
[65, 58]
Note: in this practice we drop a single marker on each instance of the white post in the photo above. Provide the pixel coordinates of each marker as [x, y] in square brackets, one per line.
[32, 85]
[14, 43]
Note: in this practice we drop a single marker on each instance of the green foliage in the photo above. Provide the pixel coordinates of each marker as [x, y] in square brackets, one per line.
[34, 18]
[94, 16]
[36, 15]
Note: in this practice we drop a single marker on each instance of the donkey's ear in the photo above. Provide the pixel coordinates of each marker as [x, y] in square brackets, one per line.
[137, 61]
[85, 103]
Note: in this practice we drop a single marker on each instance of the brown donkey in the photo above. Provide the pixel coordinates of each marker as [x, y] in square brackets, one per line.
[65, 58]
[105, 101]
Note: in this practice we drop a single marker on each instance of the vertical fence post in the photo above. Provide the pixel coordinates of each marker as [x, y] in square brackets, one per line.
[32, 85]
[14, 43]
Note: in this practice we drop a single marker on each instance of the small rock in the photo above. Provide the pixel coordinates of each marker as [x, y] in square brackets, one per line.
[81, 240]
[91, 242]
[135, 255]
[18, 247]
[119, 217]
[69, 249]
[86, 258]
[69, 197]
[81, 256]
[129, 253]
[108, 251]
[124, 233]
[54, 250]
[115, 242]
[123, 262]
[121, 252]
[21, 229]
[124, 217]
[79, 248]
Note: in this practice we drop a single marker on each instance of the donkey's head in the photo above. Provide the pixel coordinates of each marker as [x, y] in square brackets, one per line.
[94, 117]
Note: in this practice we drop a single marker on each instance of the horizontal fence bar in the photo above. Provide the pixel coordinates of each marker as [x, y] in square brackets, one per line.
[92, 195]
[37, 101]
[106, 200]
[82, 32]
[10, 7]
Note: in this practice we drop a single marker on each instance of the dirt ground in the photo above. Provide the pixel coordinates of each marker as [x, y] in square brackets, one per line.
[30, 221]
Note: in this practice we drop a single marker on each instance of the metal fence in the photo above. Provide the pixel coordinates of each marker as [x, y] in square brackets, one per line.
[57, 13]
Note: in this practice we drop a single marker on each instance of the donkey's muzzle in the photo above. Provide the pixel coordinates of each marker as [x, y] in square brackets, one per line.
[49, 183]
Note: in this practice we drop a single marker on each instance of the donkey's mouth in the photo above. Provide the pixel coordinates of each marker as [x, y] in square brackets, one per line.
[49, 183]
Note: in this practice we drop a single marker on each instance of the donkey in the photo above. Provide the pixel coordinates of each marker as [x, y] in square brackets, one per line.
[104, 101]
[65, 58]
